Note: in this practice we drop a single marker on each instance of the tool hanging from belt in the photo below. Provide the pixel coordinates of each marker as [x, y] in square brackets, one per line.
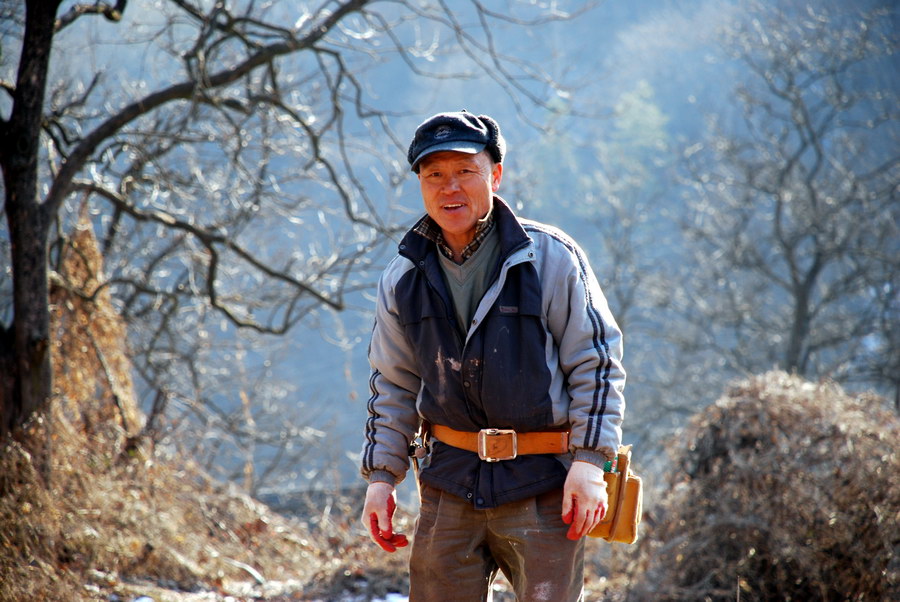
[420, 446]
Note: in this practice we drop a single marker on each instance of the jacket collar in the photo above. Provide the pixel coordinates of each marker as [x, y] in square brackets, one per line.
[416, 247]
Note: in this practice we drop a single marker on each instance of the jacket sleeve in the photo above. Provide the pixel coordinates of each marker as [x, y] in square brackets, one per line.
[590, 355]
[394, 384]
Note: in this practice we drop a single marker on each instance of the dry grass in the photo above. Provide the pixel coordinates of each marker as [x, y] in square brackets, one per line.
[128, 526]
[115, 525]
[785, 490]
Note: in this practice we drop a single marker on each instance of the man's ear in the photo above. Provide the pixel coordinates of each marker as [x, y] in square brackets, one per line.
[496, 176]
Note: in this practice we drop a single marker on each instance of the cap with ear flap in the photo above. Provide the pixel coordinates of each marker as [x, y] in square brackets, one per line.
[456, 131]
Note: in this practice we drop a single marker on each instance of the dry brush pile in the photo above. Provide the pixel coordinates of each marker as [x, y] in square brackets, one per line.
[784, 490]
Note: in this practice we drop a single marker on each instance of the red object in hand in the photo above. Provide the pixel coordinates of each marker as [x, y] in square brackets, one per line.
[388, 540]
[569, 519]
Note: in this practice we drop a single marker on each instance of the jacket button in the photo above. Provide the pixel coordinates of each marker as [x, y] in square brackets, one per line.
[469, 496]
[402, 247]
[466, 384]
[480, 501]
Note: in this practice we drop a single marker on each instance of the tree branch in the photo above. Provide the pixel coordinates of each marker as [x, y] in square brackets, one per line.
[111, 12]
[62, 183]
[209, 240]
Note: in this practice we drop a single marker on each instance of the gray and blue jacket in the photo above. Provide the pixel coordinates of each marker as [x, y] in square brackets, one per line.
[543, 351]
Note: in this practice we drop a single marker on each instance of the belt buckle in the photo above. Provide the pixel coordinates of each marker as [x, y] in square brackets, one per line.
[491, 441]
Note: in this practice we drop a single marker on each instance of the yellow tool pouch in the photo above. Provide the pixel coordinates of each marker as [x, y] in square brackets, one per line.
[623, 514]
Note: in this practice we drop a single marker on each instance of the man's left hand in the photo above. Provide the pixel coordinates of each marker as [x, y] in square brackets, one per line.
[584, 499]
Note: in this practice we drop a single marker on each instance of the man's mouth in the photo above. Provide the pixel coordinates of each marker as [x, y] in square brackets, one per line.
[453, 206]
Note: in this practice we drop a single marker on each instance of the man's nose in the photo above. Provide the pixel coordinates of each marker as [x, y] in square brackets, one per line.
[451, 184]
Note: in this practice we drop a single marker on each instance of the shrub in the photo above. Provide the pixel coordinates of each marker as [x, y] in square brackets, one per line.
[785, 490]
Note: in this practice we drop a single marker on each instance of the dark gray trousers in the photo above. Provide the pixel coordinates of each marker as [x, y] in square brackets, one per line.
[457, 550]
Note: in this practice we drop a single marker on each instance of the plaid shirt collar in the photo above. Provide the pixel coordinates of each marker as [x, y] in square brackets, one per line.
[428, 228]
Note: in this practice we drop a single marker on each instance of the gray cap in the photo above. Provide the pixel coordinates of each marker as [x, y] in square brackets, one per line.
[457, 131]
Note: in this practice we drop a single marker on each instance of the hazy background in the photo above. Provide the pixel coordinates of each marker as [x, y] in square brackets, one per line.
[731, 169]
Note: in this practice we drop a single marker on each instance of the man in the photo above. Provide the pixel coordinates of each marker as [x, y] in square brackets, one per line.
[493, 333]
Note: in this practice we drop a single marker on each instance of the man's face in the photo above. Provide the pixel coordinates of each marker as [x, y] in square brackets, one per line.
[458, 190]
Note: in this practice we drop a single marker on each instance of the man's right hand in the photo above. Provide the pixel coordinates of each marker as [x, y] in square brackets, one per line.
[377, 516]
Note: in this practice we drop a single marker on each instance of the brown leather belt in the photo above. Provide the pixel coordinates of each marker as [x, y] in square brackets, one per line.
[494, 445]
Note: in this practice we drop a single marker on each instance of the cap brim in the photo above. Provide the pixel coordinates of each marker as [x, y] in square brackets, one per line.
[471, 148]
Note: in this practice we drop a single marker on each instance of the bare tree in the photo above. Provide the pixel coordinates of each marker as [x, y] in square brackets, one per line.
[233, 162]
[794, 207]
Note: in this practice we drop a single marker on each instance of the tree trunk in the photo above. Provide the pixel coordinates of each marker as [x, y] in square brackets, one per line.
[29, 389]
[25, 344]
